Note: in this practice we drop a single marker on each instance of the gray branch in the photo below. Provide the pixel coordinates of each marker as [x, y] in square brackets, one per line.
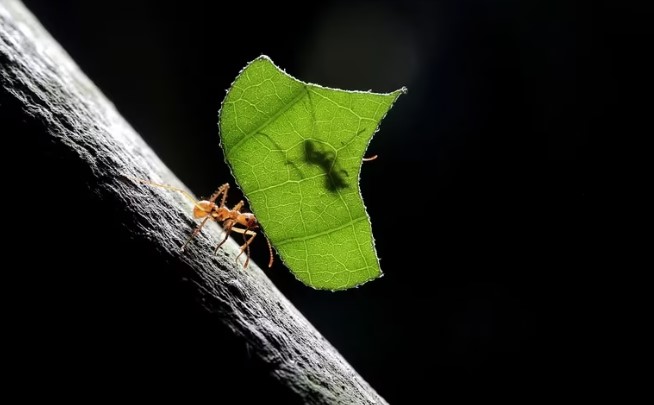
[49, 91]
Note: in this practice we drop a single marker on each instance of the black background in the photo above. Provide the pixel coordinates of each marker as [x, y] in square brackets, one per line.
[485, 195]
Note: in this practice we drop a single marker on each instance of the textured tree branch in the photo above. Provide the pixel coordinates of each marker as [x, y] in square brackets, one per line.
[44, 89]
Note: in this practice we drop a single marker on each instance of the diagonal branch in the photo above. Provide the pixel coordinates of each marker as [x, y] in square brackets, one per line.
[41, 86]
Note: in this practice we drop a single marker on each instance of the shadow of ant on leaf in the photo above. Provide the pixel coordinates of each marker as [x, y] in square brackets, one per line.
[317, 154]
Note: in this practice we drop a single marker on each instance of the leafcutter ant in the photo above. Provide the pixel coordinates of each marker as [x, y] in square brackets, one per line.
[233, 219]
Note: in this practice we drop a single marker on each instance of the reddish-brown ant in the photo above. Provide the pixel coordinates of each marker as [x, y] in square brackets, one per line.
[230, 218]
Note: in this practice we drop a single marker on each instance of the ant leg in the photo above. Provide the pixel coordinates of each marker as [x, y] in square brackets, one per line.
[166, 186]
[371, 158]
[221, 190]
[270, 261]
[246, 245]
[238, 206]
[195, 232]
[228, 226]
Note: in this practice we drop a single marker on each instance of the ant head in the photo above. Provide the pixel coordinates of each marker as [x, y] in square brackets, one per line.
[249, 220]
[202, 209]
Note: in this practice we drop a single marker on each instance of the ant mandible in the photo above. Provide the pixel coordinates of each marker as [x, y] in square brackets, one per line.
[230, 218]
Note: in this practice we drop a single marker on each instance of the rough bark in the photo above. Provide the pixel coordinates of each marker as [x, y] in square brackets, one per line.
[44, 92]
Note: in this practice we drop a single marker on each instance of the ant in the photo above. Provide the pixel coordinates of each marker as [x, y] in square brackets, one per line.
[231, 218]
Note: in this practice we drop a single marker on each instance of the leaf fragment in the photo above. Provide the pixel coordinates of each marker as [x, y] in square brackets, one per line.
[296, 151]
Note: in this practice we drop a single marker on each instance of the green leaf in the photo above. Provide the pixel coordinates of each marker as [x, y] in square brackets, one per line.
[296, 151]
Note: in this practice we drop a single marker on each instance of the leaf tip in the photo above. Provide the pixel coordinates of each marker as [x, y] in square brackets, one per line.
[262, 57]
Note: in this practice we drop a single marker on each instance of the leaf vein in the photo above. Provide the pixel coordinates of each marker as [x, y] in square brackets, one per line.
[270, 119]
[323, 233]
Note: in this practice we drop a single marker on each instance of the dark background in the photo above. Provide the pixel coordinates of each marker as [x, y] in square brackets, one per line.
[484, 198]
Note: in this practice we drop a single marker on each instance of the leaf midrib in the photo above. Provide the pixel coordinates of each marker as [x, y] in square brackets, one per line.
[301, 93]
[318, 234]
